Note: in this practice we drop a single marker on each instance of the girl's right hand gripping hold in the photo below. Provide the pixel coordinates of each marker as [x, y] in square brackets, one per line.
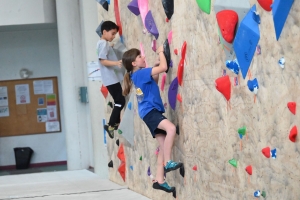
[162, 67]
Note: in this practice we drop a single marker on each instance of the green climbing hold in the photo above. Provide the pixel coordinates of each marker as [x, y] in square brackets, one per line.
[263, 194]
[110, 104]
[233, 162]
[119, 131]
[204, 5]
[141, 158]
[242, 130]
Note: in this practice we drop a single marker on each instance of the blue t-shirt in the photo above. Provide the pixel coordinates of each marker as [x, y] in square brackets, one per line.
[147, 92]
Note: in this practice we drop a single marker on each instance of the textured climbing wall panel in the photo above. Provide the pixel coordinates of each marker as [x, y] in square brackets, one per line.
[208, 127]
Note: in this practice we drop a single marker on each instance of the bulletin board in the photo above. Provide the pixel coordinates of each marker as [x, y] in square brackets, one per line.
[29, 106]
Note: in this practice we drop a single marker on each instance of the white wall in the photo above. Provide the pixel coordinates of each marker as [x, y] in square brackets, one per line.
[36, 50]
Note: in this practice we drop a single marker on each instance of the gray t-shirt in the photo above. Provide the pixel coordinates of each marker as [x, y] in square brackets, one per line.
[110, 75]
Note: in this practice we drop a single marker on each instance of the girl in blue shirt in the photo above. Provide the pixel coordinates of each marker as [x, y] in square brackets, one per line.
[150, 108]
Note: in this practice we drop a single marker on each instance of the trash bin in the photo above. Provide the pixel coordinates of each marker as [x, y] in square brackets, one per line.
[23, 156]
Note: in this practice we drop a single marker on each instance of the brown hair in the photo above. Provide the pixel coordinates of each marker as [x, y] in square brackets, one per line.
[127, 59]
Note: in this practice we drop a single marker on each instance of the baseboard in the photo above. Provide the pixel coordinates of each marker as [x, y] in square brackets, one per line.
[35, 165]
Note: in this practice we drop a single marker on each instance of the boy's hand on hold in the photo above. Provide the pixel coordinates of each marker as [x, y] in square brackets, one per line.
[119, 63]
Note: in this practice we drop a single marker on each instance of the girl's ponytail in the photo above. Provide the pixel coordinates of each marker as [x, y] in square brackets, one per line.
[127, 83]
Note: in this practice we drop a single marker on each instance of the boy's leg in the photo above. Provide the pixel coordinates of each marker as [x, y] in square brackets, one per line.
[115, 91]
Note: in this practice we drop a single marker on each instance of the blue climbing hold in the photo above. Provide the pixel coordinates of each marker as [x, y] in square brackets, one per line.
[246, 40]
[241, 136]
[253, 85]
[257, 193]
[233, 66]
[108, 1]
[131, 167]
[281, 62]
[280, 11]
[129, 105]
[274, 153]
[256, 17]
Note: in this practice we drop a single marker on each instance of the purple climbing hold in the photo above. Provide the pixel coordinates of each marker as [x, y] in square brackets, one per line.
[150, 24]
[148, 171]
[134, 7]
[173, 93]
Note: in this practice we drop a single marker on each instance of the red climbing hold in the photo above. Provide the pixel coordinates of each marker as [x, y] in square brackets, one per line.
[180, 71]
[121, 154]
[266, 152]
[293, 134]
[167, 20]
[249, 169]
[223, 85]
[176, 51]
[292, 107]
[104, 91]
[179, 98]
[265, 4]
[183, 51]
[121, 170]
[227, 20]
[195, 168]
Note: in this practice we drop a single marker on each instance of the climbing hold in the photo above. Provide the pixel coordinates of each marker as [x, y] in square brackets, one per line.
[143, 8]
[233, 162]
[265, 4]
[165, 105]
[263, 194]
[204, 5]
[150, 24]
[170, 36]
[153, 45]
[168, 7]
[233, 66]
[104, 91]
[246, 40]
[117, 142]
[256, 17]
[249, 169]
[179, 98]
[223, 85]
[174, 193]
[163, 81]
[293, 134]
[242, 130]
[167, 53]
[253, 85]
[110, 104]
[157, 151]
[274, 153]
[172, 93]
[103, 3]
[258, 49]
[241, 136]
[141, 158]
[181, 171]
[129, 105]
[134, 7]
[120, 131]
[195, 168]
[121, 170]
[131, 167]
[167, 20]
[148, 171]
[177, 129]
[98, 30]
[183, 50]
[292, 107]
[176, 51]
[281, 62]
[257, 193]
[171, 63]
[108, 1]
[117, 15]
[180, 71]
[110, 164]
[227, 20]
[266, 152]
[280, 11]
[121, 154]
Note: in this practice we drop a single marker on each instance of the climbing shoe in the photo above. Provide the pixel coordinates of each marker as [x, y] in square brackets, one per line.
[164, 186]
[110, 130]
[116, 126]
[171, 165]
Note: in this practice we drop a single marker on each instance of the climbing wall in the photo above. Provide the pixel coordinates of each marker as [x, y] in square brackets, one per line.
[208, 123]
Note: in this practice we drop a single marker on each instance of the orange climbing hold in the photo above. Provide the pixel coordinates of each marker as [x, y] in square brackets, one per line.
[121, 154]
[223, 85]
[292, 107]
[227, 20]
[293, 134]
[104, 91]
[121, 170]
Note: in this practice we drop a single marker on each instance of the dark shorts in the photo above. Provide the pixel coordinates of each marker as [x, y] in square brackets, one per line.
[152, 119]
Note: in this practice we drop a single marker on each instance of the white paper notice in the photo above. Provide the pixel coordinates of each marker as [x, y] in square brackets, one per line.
[4, 111]
[51, 113]
[3, 96]
[41, 114]
[94, 71]
[52, 126]
[43, 87]
[22, 94]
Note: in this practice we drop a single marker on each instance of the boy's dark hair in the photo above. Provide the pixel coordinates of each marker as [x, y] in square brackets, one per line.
[109, 25]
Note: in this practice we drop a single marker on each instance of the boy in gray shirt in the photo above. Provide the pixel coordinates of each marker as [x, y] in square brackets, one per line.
[111, 73]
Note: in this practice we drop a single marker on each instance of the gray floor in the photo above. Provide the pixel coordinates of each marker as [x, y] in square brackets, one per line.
[63, 185]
